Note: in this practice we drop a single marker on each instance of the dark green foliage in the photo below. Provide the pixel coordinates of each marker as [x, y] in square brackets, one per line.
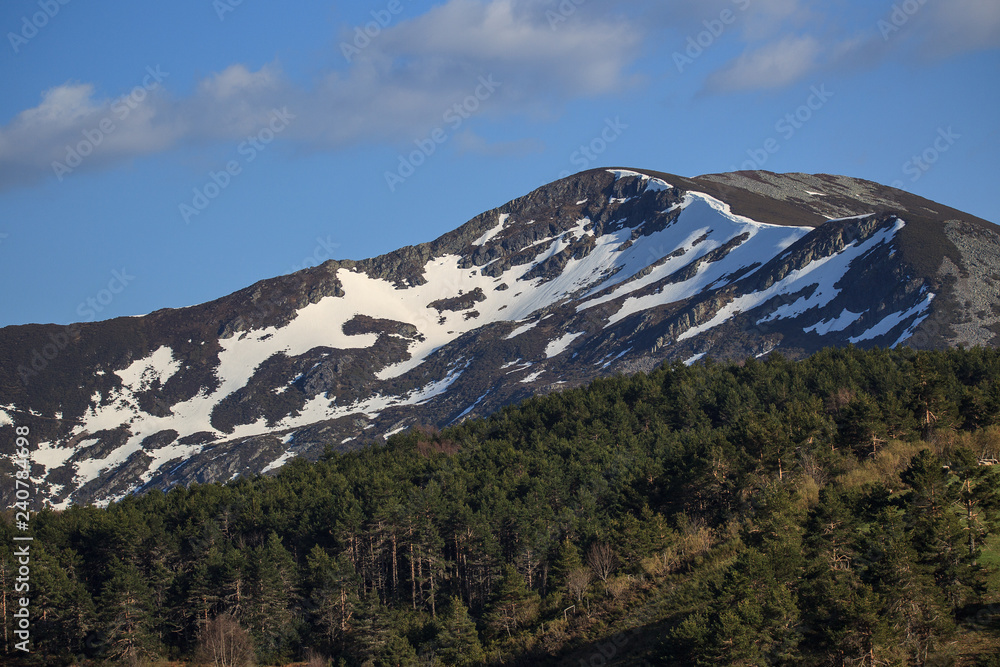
[126, 614]
[513, 607]
[458, 641]
[767, 512]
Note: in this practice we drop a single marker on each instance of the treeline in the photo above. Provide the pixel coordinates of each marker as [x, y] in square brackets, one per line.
[838, 510]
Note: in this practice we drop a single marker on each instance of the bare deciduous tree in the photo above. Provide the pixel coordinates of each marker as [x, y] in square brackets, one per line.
[602, 560]
[223, 643]
[618, 586]
[577, 582]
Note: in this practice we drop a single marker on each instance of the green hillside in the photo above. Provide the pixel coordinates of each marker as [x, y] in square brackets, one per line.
[831, 511]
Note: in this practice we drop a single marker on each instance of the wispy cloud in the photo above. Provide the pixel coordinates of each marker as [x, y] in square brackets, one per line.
[787, 40]
[399, 87]
[957, 27]
[395, 90]
[773, 65]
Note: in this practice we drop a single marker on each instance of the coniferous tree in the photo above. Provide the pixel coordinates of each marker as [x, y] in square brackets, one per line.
[331, 593]
[567, 562]
[756, 619]
[513, 604]
[937, 532]
[978, 498]
[457, 640]
[127, 622]
[268, 611]
[64, 607]
[376, 637]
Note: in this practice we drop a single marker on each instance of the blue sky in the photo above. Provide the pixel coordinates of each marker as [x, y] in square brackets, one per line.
[164, 154]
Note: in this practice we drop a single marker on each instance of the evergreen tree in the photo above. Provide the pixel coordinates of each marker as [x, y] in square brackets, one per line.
[125, 613]
[513, 605]
[568, 561]
[979, 499]
[457, 640]
[756, 619]
[377, 639]
[332, 595]
[64, 607]
[937, 532]
[268, 613]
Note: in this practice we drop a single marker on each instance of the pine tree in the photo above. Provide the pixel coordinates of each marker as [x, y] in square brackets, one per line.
[376, 637]
[268, 613]
[979, 498]
[125, 613]
[756, 619]
[332, 594]
[65, 609]
[913, 607]
[513, 605]
[457, 640]
[568, 562]
[937, 532]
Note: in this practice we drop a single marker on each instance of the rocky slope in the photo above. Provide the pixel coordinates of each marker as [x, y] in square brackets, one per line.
[603, 272]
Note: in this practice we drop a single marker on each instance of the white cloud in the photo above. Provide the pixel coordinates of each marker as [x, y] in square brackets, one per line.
[396, 90]
[581, 56]
[399, 87]
[773, 65]
[70, 121]
[959, 26]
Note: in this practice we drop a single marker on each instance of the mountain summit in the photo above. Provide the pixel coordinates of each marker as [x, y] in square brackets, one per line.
[608, 271]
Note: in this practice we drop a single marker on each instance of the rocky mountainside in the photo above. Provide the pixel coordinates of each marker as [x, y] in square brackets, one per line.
[608, 271]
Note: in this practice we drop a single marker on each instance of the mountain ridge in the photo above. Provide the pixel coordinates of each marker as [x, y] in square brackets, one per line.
[622, 269]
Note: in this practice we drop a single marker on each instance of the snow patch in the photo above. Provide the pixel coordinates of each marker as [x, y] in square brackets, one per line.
[823, 274]
[488, 236]
[615, 358]
[49, 456]
[520, 330]
[697, 357]
[394, 431]
[278, 462]
[892, 321]
[704, 225]
[839, 323]
[471, 407]
[531, 378]
[142, 373]
[560, 344]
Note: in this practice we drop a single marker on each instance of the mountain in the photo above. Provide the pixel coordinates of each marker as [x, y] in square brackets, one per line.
[608, 271]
